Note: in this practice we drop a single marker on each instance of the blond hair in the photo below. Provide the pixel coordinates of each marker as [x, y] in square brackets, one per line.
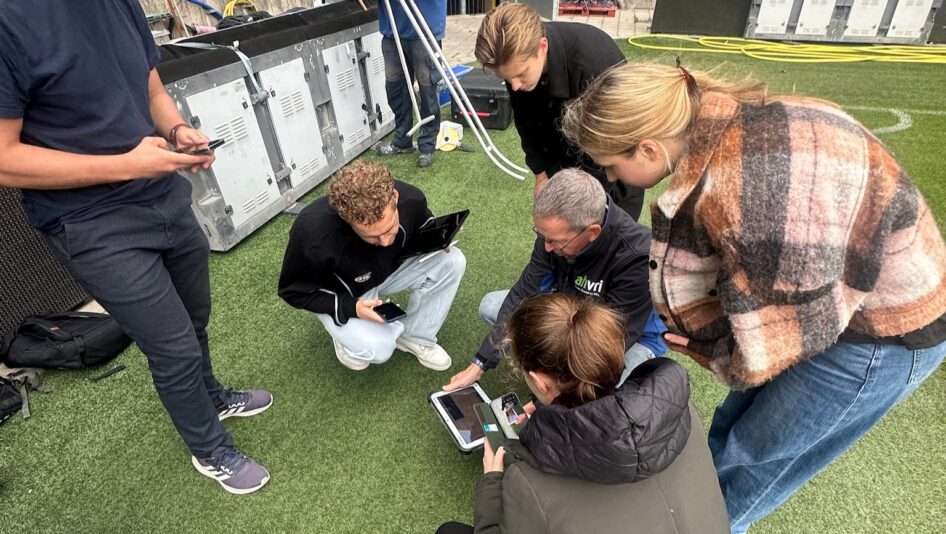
[577, 342]
[509, 32]
[636, 101]
[361, 192]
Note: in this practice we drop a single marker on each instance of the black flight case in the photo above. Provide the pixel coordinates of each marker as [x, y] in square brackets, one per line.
[490, 100]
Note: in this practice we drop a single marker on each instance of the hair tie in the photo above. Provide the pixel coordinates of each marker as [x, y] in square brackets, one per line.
[692, 87]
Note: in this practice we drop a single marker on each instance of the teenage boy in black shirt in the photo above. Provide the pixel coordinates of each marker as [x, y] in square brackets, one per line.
[545, 65]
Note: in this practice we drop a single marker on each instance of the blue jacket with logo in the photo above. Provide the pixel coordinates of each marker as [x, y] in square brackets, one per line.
[327, 266]
[613, 269]
[434, 11]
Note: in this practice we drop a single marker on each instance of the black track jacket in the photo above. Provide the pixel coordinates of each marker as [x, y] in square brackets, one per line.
[327, 266]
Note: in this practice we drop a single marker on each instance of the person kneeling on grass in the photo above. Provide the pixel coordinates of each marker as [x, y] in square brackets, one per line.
[344, 252]
[633, 453]
[586, 247]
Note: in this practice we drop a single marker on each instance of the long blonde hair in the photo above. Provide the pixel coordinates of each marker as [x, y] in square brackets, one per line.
[577, 342]
[636, 101]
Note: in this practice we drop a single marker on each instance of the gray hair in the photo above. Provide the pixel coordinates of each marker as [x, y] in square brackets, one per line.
[574, 196]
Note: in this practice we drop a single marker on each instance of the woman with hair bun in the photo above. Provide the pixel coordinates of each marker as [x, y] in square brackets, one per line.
[791, 255]
[596, 455]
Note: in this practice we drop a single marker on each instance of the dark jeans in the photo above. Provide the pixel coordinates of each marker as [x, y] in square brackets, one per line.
[147, 266]
[422, 69]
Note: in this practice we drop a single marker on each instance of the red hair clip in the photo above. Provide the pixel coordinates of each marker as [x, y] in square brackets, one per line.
[692, 87]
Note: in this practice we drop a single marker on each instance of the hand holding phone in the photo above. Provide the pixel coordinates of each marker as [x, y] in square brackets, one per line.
[213, 145]
[390, 311]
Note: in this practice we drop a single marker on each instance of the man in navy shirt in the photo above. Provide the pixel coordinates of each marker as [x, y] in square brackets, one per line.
[421, 68]
[84, 129]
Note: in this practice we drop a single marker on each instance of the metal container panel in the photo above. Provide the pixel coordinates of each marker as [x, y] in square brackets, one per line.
[348, 94]
[815, 17]
[295, 122]
[773, 16]
[909, 19]
[374, 67]
[245, 176]
[865, 18]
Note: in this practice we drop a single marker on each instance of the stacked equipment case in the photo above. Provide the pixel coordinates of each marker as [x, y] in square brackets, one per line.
[295, 97]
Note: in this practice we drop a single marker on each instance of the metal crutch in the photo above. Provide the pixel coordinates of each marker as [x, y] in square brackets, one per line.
[456, 90]
[407, 75]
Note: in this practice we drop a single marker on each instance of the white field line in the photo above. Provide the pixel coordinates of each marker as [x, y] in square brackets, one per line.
[904, 119]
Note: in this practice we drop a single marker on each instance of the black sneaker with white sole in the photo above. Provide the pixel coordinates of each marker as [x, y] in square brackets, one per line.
[237, 473]
[244, 403]
[391, 150]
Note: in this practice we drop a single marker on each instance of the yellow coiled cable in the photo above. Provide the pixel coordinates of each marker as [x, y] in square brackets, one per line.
[794, 52]
[228, 9]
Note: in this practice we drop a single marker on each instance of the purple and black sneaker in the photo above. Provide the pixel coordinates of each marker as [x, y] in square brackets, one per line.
[237, 473]
[244, 403]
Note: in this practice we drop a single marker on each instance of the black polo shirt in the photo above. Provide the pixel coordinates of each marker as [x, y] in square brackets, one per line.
[577, 54]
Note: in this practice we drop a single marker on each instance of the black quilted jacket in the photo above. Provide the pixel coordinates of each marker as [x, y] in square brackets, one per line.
[624, 437]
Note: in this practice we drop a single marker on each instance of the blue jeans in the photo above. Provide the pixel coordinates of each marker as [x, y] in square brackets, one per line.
[147, 266]
[424, 71]
[635, 355]
[768, 441]
[434, 285]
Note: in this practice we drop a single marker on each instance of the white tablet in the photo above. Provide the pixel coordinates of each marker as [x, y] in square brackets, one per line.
[455, 410]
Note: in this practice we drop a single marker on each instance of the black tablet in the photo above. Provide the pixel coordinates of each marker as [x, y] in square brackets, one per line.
[436, 235]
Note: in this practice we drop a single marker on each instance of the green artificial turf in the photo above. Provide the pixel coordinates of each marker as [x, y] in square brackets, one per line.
[362, 452]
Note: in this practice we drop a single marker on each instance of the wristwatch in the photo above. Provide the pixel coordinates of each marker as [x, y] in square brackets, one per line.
[479, 363]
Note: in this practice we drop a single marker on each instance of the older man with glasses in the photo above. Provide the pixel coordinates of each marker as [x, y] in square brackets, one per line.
[583, 247]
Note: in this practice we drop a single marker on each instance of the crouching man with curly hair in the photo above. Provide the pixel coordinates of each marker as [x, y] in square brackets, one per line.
[344, 253]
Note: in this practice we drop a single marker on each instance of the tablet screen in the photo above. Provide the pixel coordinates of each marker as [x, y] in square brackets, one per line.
[459, 407]
[435, 235]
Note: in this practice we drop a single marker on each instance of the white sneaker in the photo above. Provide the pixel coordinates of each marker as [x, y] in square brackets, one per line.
[347, 360]
[433, 357]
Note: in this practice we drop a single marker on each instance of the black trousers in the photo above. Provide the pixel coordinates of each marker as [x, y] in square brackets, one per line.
[454, 528]
[628, 198]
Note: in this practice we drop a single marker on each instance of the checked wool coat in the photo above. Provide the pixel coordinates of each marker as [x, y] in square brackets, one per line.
[785, 224]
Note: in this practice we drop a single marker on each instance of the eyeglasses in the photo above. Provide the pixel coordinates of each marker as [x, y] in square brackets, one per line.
[561, 247]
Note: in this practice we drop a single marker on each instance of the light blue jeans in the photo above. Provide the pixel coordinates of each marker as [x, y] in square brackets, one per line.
[434, 284]
[768, 441]
[493, 301]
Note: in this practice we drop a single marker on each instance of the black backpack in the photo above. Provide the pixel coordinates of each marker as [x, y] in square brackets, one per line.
[15, 389]
[71, 340]
[10, 400]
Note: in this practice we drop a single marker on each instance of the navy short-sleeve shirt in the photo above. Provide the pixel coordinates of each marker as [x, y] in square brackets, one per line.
[77, 74]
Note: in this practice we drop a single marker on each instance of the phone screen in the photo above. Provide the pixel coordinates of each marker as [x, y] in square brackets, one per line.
[512, 409]
[389, 311]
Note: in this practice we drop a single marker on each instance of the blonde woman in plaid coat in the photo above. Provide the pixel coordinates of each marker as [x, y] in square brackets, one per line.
[791, 255]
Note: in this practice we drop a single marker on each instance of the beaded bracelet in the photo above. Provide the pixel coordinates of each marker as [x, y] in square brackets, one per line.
[172, 136]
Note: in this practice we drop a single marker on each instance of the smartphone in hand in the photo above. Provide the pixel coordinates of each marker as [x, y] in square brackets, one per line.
[389, 311]
[216, 143]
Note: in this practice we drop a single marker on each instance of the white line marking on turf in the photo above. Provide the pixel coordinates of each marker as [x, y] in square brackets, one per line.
[904, 120]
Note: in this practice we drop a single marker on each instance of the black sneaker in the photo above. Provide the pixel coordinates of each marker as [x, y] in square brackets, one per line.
[425, 160]
[237, 473]
[244, 403]
[390, 150]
